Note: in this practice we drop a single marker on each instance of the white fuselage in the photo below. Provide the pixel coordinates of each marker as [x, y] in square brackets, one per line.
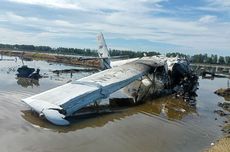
[122, 62]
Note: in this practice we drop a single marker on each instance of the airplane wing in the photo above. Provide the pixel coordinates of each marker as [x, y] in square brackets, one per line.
[63, 101]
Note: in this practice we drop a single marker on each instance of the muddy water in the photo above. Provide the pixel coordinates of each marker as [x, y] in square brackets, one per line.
[163, 124]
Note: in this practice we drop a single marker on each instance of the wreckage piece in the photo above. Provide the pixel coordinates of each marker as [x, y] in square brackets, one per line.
[58, 103]
[26, 72]
[184, 82]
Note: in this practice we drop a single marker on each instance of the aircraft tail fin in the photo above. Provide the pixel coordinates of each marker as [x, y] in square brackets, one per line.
[103, 52]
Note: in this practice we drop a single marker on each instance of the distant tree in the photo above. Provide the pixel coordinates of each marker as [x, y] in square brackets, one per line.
[215, 60]
[221, 60]
[174, 54]
[197, 58]
[227, 59]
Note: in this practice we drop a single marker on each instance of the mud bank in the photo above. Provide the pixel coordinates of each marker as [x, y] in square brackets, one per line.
[223, 145]
[225, 106]
[71, 60]
[224, 93]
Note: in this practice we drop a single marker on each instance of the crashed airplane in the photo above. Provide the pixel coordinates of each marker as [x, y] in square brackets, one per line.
[173, 74]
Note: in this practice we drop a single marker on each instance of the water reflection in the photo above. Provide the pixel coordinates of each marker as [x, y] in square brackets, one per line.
[167, 107]
[77, 123]
[27, 82]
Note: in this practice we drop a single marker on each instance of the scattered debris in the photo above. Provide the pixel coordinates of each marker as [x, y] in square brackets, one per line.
[225, 106]
[226, 129]
[221, 113]
[187, 89]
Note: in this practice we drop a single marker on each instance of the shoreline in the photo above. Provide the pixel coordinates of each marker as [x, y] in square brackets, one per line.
[71, 60]
[223, 144]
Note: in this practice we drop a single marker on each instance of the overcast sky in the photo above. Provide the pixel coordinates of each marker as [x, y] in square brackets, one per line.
[188, 26]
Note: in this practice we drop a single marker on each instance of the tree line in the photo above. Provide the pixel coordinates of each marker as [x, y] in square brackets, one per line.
[197, 58]
[204, 58]
[73, 51]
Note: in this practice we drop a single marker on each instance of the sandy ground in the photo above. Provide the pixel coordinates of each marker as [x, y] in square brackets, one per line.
[221, 146]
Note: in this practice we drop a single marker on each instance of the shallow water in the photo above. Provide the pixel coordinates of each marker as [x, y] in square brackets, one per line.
[163, 124]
